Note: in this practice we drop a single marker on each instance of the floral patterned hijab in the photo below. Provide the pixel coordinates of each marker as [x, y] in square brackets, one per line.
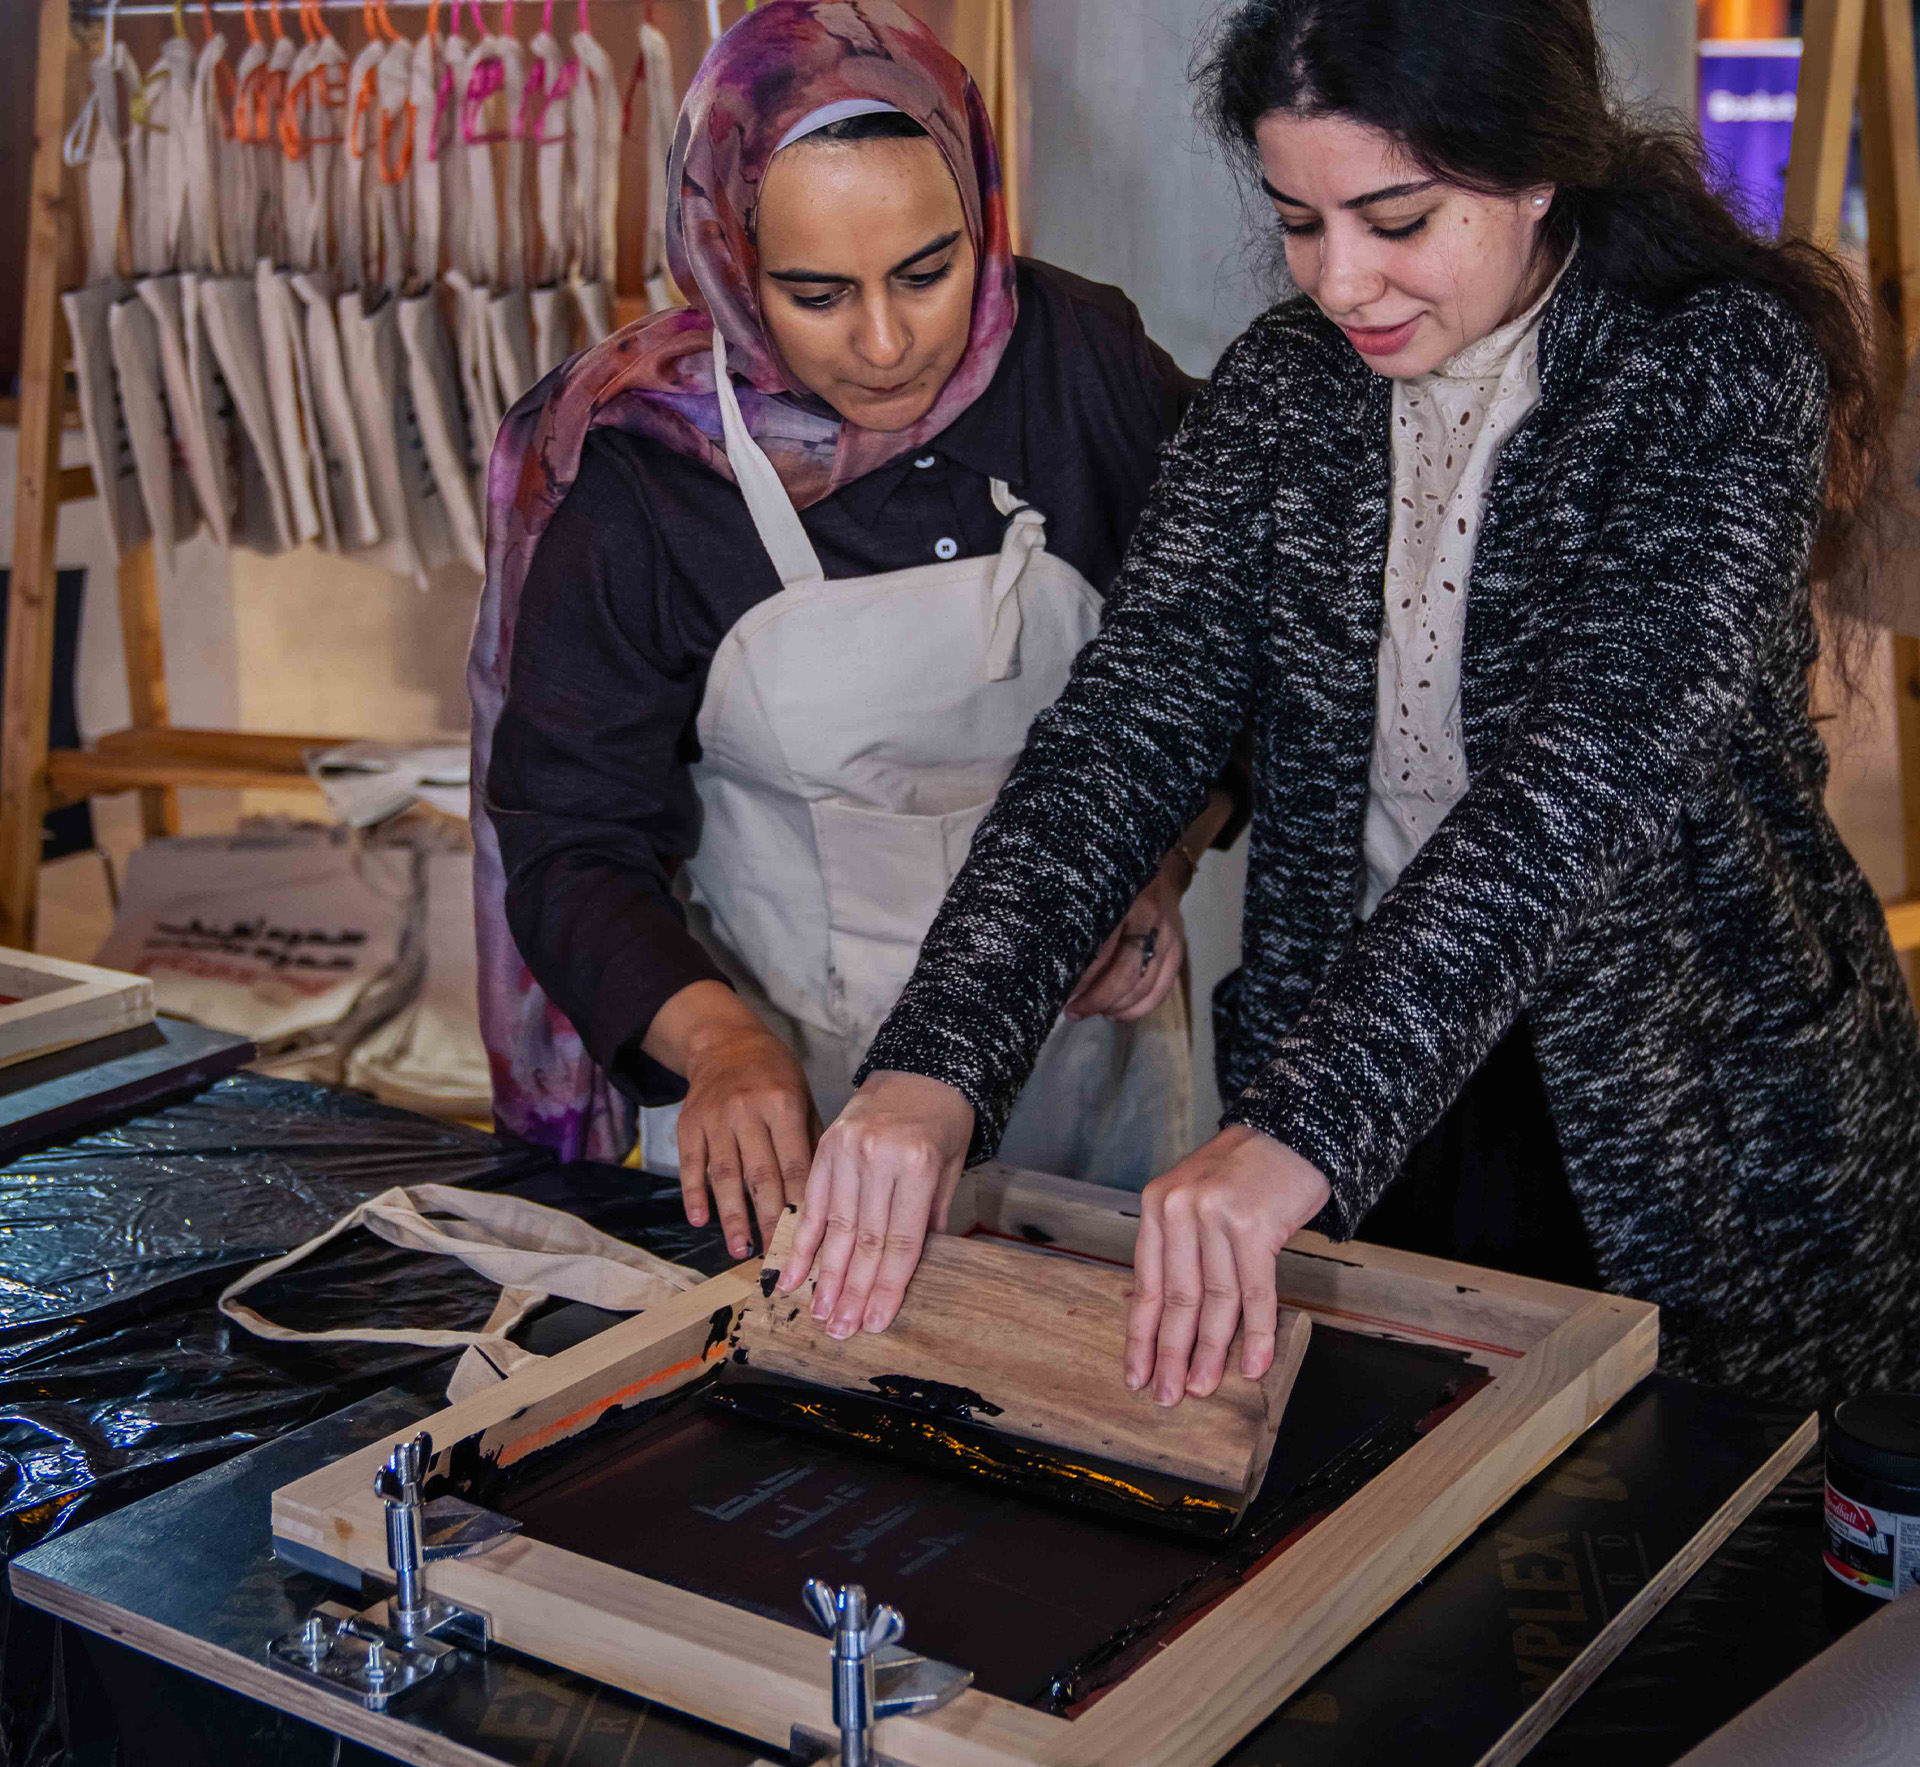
[774, 70]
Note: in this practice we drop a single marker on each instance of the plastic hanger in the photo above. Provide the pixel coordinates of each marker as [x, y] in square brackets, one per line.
[486, 75]
[443, 93]
[392, 123]
[322, 90]
[379, 28]
[240, 124]
[538, 99]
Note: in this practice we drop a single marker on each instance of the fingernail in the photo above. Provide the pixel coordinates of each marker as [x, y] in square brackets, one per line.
[840, 1328]
[1167, 1393]
[874, 1321]
[820, 1307]
[741, 1247]
[1133, 1380]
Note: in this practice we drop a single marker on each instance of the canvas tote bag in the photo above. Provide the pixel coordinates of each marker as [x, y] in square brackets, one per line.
[533, 1252]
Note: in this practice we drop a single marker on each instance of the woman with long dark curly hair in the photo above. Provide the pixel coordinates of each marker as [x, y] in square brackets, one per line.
[1502, 533]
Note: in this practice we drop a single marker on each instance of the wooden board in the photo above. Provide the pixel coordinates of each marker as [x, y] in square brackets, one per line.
[1559, 1357]
[993, 1336]
[53, 1004]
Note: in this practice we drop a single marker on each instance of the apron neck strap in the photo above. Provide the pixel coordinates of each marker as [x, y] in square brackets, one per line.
[774, 518]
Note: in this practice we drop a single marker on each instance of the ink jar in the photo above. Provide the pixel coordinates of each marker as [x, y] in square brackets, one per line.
[1873, 1495]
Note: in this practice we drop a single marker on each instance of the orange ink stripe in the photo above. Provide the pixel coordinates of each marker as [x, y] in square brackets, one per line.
[563, 1427]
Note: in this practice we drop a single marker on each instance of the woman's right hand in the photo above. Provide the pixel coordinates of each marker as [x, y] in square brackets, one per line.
[747, 1126]
[884, 1172]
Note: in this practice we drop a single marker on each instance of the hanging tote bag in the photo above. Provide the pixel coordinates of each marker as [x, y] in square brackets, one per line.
[109, 445]
[344, 461]
[434, 387]
[160, 467]
[205, 142]
[432, 379]
[547, 116]
[662, 111]
[596, 119]
[533, 1252]
[189, 412]
[369, 345]
[96, 143]
[283, 338]
[230, 314]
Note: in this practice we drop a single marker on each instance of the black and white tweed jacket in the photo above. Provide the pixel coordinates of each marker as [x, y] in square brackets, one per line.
[1642, 861]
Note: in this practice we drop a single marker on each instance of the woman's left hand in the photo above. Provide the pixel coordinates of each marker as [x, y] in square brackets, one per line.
[1140, 962]
[1210, 1231]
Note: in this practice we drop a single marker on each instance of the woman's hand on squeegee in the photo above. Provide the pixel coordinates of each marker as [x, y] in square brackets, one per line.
[884, 1170]
[1204, 1263]
[748, 1125]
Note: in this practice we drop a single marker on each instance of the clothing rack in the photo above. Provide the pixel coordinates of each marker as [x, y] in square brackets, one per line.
[152, 755]
[1865, 48]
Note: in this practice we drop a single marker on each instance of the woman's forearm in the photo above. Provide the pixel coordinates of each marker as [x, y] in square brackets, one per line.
[693, 1020]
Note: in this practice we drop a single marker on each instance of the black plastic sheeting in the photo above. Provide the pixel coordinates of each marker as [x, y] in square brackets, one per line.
[117, 1374]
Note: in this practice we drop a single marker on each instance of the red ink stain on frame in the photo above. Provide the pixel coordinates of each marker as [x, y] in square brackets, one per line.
[593, 1410]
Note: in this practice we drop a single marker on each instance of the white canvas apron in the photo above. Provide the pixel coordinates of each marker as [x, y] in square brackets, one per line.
[853, 735]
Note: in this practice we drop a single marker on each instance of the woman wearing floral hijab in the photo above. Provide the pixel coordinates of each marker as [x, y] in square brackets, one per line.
[776, 583]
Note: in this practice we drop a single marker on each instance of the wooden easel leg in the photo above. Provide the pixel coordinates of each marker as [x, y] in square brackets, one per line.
[1890, 178]
[1890, 175]
[28, 681]
[146, 674]
[1823, 124]
[1906, 714]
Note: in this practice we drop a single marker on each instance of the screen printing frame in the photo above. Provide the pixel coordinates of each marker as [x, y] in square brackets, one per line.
[1559, 1358]
[58, 1004]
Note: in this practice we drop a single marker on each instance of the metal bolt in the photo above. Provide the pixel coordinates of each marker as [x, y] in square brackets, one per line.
[313, 1637]
[378, 1668]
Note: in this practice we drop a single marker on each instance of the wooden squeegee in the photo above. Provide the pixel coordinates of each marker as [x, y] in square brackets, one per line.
[1005, 1364]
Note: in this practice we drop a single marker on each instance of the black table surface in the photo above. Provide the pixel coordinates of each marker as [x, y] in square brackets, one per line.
[1439, 1679]
[127, 1404]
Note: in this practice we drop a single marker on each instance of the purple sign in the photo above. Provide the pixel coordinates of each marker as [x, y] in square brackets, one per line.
[1746, 117]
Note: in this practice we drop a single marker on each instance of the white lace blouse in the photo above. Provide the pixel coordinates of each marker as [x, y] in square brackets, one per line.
[1448, 428]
